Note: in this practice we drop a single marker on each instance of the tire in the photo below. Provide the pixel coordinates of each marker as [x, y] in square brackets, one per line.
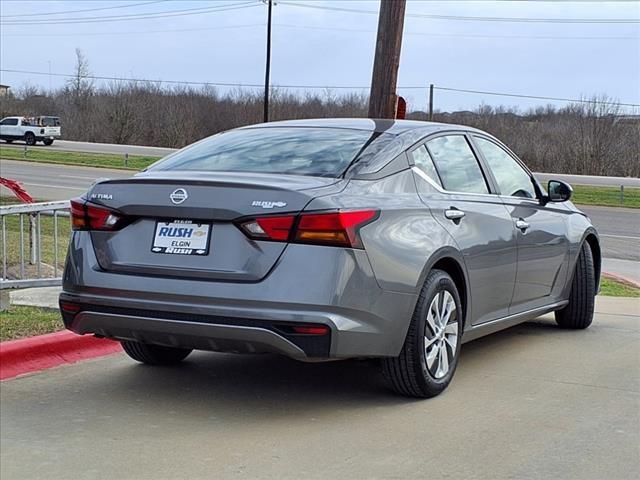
[423, 372]
[48, 141]
[9, 140]
[29, 138]
[154, 354]
[578, 314]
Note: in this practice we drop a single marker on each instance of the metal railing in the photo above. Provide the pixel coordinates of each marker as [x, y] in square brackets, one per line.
[34, 240]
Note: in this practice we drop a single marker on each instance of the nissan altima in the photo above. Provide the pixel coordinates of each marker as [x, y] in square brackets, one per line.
[329, 239]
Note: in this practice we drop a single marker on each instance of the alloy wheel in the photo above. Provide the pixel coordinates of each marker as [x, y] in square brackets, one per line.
[441, 334]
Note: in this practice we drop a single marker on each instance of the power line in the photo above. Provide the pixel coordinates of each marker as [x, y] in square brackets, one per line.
[314, 27]
[85, 10]
[465, 35]
[536, 97]
[138, 16]
[325, 87]
[477, 19]
[139, 32]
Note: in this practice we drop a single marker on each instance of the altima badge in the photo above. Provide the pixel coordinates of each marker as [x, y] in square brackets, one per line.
[178, 196]
[268, 204]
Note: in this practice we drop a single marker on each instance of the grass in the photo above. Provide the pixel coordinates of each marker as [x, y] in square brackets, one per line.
[20, 322]
[612, 288]
[77, 158]
[606, 196]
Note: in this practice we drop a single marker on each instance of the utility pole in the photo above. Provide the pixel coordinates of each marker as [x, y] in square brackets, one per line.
[382, 99]
[268, 68]
[431, 102]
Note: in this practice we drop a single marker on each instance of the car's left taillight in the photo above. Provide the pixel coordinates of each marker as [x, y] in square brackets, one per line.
[87, 216]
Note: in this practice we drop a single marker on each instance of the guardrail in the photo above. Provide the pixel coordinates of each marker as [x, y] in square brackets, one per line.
[34, 239]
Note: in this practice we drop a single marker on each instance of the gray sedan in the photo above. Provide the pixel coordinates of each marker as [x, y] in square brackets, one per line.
[329, 239]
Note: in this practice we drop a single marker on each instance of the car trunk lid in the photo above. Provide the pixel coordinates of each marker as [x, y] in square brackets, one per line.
[201, 204]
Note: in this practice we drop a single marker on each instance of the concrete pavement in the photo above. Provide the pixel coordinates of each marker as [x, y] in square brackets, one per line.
[534, 401]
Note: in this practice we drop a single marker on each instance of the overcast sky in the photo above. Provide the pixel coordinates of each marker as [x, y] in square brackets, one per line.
[325, 47]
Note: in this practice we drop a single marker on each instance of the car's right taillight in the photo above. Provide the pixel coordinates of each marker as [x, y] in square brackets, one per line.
[337, 228]
[87, 216]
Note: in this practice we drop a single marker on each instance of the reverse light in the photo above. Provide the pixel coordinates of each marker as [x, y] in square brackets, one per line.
[86, 216]
[340, 228]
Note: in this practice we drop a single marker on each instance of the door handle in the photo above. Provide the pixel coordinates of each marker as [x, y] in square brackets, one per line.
[522, 225]
[454, 214]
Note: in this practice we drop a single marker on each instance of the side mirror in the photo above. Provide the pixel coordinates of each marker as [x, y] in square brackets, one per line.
[559, 191]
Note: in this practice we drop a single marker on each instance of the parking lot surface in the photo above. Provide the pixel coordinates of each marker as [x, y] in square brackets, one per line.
[534, 401]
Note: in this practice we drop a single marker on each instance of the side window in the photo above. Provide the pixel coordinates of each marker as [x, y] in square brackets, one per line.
[457, 165]
[423, 161]
[512, 179]
[9, 121]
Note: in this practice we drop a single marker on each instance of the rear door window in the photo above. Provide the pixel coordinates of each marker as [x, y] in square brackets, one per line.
[9, 121]
[457, 164]
[423, 161]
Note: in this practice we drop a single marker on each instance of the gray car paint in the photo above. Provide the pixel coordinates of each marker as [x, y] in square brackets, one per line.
[366, 297]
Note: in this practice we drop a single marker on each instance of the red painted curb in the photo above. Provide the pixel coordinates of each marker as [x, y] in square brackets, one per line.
[33, 354]
[621, 279]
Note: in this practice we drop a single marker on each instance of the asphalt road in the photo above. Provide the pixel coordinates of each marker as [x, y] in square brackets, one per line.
[534, 401]
[88, 147]
[55, 182]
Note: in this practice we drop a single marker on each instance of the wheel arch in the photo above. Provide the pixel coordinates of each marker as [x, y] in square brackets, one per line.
[451, 261]
[591, 238]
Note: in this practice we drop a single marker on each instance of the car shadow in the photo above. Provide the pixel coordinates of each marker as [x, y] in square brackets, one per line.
[260, 387]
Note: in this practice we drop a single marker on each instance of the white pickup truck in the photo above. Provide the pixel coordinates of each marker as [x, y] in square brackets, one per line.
[30, 129]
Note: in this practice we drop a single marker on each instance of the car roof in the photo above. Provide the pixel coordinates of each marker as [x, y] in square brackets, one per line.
[394, 127]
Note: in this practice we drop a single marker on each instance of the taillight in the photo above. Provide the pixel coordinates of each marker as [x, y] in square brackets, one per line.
[86, 216]
[335, 228]
[339, 228]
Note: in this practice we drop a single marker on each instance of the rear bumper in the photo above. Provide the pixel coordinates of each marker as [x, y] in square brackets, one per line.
[331, 287]
[236, 338]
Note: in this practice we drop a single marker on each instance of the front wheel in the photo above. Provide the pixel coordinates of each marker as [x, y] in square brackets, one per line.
[154, 354]
[429, 356]
[48, 141]
[578, 313]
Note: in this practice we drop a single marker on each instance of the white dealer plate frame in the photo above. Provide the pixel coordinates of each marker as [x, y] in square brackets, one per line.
[181, 242]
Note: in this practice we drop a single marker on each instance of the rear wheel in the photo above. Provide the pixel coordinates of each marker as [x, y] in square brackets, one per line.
[47, 141]
[154, 354]
[578, 313]
[29, 138]
[430, 353]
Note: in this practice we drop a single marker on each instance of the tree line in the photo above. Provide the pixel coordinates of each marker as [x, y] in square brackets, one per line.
[591, 138]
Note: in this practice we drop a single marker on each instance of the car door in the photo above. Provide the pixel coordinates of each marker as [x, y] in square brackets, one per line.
[451, 182]
[541, 230]
[8, 127]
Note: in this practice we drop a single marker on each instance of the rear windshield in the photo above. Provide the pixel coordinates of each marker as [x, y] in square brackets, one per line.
[325, 152]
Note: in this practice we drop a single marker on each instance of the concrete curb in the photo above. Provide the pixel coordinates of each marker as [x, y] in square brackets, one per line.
[33, 354]
[621, 279]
